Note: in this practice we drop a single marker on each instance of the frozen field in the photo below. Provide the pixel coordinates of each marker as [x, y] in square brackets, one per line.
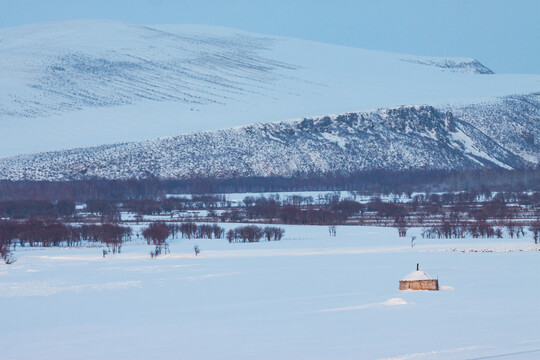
[309, 296]
[318, 196]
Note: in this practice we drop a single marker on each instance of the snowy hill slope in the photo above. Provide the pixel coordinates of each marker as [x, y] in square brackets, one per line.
[83, 83]
[502, 133]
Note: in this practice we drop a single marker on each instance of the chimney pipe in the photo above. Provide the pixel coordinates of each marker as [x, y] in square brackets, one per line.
[417, 267]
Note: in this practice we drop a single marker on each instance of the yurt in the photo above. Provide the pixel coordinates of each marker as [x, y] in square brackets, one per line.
[418, 280]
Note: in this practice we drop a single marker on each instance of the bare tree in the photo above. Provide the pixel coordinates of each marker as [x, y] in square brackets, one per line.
[535, 229]
[332, 230]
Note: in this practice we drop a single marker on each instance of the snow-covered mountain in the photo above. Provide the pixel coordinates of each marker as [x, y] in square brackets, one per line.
[500, 133]
[86, 83]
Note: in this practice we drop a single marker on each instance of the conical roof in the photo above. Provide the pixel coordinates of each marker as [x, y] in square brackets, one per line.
[416, 275]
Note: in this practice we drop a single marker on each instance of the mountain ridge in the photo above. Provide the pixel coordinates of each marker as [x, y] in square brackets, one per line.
[500, 133]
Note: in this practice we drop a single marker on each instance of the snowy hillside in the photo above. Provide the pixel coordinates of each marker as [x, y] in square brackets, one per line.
[465, 65]
[83, 83]
[501, 133]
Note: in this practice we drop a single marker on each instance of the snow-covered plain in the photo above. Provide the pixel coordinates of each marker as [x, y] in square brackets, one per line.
[309, 296]
[320, 196]
[89, 82]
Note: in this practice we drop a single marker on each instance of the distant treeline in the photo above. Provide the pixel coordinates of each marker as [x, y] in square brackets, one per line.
[330, 209]
[375, 181]
[21, 209]
[39, 233]
[252, 233]
[480, 229]
[203, 231]
[248, 233]
[109, 209]
[53, 233]
[463, 206]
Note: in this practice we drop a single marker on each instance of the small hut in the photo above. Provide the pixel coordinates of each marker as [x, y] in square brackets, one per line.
[418, 280]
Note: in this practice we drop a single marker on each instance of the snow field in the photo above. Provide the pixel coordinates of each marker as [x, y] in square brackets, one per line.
[308, 296]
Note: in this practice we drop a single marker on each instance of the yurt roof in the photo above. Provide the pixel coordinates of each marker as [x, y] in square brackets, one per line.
[417, 275]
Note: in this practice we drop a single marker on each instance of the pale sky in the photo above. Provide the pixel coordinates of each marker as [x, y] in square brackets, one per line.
[503, 34]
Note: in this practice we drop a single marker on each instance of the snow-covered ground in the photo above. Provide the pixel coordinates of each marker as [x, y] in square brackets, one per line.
[318, 197]
[236, 198]
[87, 82]
[309, 296]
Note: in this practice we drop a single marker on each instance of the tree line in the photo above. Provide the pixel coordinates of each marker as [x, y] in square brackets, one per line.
[253, 233]
[375, 181]
[42, 233]
[481, 230]
[24, 209]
